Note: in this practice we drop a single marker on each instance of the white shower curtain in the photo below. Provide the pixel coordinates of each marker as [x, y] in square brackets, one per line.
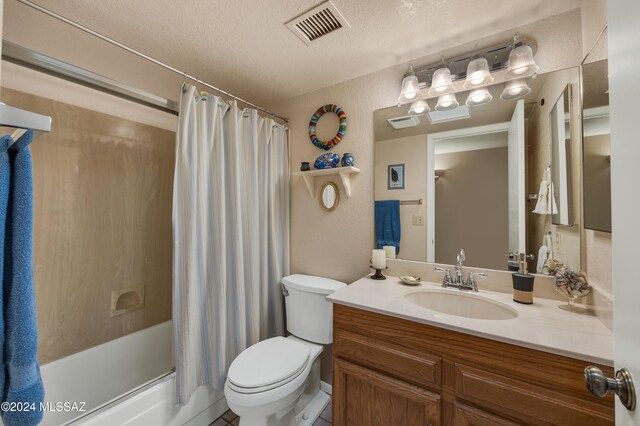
[230, 236]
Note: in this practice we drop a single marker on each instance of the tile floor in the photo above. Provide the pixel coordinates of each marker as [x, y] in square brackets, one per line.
[230, 419]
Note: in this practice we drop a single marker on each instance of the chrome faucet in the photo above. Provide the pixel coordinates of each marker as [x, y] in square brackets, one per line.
[459, 259]
[459, 282]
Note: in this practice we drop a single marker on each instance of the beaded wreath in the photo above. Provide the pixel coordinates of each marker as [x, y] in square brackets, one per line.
[328, 144]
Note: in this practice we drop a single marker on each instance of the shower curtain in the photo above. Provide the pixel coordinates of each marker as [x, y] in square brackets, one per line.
[230, 236]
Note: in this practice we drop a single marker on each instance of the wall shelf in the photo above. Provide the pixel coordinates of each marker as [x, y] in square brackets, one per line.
[345, 177]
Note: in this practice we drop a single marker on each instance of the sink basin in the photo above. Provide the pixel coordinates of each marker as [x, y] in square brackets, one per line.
[461, 304]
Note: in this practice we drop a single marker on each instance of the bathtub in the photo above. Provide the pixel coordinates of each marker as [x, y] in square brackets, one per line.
[127, 381]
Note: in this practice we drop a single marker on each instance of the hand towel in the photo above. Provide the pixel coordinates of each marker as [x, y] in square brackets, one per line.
[542, 258]
[546, 203]
[548, 241]
[23, 382]
[387, 220]
[542, 205]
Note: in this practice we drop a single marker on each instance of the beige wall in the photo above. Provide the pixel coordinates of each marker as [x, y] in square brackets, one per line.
[338, 244]
[597, 182]
[412, 152]
[594, 19]
[472, 206]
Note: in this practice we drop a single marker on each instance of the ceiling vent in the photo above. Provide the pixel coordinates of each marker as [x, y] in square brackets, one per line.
[458, 113]
[317, 22]
[404, 122]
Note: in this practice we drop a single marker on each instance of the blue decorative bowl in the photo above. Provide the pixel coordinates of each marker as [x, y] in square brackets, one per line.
[327, 161]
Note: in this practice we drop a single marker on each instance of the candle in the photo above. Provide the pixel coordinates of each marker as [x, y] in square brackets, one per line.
[390, 251]
[378, 259]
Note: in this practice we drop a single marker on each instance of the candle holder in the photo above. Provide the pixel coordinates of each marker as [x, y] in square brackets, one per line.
[378, 275]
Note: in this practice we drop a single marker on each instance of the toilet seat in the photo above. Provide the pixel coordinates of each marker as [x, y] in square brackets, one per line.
[268, 364]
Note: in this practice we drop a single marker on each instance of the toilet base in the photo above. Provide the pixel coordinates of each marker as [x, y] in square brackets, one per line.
[313, 410]
[307, 416]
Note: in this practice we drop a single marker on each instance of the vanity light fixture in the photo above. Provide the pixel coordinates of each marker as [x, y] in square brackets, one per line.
[515, 89]
[474, 68]
[478, 73]
[447, 102]
[479, 97]
[521, 63]
[410, 90]
[419, 107]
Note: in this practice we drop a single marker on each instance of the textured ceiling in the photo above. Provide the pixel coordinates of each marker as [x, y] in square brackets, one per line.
[243, 46]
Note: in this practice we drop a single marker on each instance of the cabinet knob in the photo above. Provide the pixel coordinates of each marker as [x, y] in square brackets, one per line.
[621, 385]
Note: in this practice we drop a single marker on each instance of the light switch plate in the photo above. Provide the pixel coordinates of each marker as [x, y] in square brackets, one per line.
[418, 220]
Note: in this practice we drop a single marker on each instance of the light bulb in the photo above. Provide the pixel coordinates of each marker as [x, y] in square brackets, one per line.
[441, 82]
[477, 73]
[410, 89]
[479, 97]
[521, 63]
[515, 89]
[476, 78]
[419, 107]
[447, 102]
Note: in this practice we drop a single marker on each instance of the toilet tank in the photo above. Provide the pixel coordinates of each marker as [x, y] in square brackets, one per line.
[309, 314]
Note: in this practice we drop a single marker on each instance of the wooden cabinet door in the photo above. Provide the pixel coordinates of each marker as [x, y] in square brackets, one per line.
[464, 415]
[363, 397]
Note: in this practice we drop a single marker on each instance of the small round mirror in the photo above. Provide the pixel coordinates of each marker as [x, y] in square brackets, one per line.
[329, 196]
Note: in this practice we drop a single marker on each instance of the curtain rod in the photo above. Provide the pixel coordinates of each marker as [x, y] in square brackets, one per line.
[142, 55]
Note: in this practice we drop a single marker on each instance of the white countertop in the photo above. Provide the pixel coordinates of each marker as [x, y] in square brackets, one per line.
[542, 326]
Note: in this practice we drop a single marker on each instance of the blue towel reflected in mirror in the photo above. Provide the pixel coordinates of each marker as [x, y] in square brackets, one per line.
[387, 219]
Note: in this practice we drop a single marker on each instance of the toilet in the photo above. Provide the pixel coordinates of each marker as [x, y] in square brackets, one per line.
[276, 382]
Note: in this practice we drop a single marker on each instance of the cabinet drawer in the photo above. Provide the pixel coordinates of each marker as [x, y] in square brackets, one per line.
[411, 366]
[464, 415]
[529, 403]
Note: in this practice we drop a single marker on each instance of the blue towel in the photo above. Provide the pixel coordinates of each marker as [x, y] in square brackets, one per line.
[23, 383]
[5, 182]
[388, 224]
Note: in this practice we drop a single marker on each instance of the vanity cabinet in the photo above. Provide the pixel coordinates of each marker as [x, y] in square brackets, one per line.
[390, 371]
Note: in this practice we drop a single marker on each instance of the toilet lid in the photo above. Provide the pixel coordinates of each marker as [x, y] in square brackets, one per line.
[270, 361]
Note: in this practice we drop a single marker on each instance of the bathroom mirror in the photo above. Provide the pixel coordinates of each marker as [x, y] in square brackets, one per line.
[329, 196]
[596, 146]
[478, 171]
[560, 135]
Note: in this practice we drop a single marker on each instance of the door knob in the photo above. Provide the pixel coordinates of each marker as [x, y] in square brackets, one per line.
[621, 385]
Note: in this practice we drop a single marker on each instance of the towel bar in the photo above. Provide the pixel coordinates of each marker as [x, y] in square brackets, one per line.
[418, 201]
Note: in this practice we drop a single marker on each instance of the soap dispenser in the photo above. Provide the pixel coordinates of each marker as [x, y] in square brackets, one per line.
[523, 281]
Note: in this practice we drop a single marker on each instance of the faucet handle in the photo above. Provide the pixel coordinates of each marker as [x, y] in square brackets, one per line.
[447, 275]
[472, 279]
